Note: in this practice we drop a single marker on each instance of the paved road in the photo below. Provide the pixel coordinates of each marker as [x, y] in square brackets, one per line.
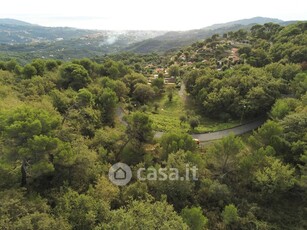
[204, 137]
[238, 130]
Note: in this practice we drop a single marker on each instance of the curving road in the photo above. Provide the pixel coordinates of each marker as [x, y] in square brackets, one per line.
[238, 130]
[204, 137]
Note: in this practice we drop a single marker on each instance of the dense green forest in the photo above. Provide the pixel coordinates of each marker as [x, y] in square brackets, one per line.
[63, 124]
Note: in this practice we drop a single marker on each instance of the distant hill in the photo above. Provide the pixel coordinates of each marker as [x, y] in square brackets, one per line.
[26, 41]
[245, 22]
[9, 21]
[18, 32]
[175, 40]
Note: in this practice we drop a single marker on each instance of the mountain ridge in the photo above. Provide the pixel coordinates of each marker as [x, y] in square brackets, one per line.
[11, 21]
[175, 39]
[246, 21]
[18, 39]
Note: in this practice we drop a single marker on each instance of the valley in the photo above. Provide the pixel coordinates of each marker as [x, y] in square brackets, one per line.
[200, 129]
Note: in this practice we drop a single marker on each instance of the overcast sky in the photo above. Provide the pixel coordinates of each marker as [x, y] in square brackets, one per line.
[148, 14]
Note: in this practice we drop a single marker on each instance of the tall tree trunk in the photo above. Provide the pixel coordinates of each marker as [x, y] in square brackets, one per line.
[23, 173]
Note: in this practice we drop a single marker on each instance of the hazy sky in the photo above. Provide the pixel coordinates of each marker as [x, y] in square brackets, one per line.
[148, 14]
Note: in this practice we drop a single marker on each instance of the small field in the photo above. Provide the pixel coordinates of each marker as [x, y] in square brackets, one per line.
[166, 118]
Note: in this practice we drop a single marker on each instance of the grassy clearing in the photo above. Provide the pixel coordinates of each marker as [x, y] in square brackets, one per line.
[167, 117]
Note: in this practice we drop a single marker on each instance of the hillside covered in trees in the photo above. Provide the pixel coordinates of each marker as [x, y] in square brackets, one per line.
[26, 41]
[64, 124]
